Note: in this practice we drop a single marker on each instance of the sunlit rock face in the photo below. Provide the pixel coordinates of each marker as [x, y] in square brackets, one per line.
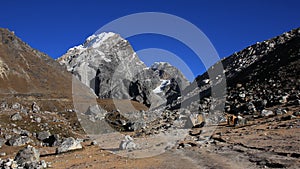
[109, 66]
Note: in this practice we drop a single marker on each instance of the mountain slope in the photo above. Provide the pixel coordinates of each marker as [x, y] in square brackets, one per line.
[263, 75]
[28, 74]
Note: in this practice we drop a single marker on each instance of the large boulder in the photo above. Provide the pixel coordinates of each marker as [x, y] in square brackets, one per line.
[68, 144]
[127, 144]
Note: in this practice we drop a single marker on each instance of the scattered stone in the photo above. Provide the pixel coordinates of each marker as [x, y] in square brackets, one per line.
[19, 141]
[95, 113]
[43, 164]
[279, 112]
[16, 117]
[283, 99]
[68, 144]
[2, 142]
[35, 108]
[296, 113]
[24, 110]
[138, 125]
[16, 106]
[43, 135]
[94, 142]
[7, 136]
[238, 85]
[240, 121]
[266, 113]
[196, 120]
[3, 106]
[242, 95]
[2, 154]
[27, 155]
[127, 144]
[38, 120]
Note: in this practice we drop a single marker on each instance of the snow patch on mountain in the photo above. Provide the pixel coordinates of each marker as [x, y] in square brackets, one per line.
[160, 88]
[95, 41]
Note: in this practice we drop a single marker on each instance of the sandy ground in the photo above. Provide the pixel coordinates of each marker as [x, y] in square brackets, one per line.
[265, 143]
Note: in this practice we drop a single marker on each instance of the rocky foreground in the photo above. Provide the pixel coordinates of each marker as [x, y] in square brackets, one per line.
[264, 143]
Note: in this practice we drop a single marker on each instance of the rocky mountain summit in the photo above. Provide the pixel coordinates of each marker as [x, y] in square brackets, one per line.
[108, 65]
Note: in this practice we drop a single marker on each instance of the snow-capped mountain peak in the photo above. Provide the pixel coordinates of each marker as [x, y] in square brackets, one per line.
[96, 40]
[156, 65]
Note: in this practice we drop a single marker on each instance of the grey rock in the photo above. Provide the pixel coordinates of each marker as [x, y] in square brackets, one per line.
[25, 133]
[3, 106]
[138, 125]
[35, 107]
[172, 92]
[16, 106]
[267, 113]
[139, 92]
[167, 72]
[8, 163]
[38, 119]
[43, 135]
[127, 144]
[2, 142]
[21, 132]
[24, 110]
[27, 155]
[43, 164]
[279, 112]
[296, 113]
[240, 121]
[95, 113]
[16, 117]
[195, 120]
[19, 141]
[7, 136]
[69, 144]
[94, 142]
[2, 154]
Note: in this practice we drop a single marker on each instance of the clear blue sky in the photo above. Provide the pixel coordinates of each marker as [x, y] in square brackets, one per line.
[53, 26]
